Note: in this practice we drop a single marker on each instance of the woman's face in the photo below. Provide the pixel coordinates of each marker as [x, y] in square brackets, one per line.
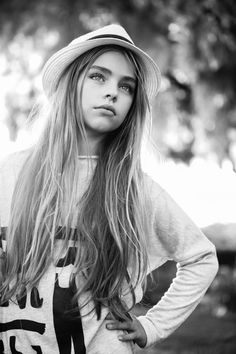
[107, 93]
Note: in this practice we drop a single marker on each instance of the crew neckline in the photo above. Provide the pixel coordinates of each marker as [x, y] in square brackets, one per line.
[83, 157]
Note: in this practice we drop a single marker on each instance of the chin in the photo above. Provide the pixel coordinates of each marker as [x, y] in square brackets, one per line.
[104, 129]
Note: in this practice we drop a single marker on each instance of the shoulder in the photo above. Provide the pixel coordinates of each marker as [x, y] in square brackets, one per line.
[152, 186]
[154, 193]
[167, 214]
[12, 163]
[10, 168]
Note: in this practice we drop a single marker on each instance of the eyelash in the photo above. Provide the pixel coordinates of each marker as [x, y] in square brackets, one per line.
[96, 76]
[101, 78]
[128, 88]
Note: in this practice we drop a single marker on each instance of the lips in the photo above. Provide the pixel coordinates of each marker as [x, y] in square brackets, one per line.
[107, 108]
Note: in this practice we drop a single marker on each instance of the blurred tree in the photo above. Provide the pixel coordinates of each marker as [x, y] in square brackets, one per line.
[194, 43]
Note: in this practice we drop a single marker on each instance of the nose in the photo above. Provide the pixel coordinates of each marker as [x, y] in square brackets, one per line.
[111, 97]
[111, 91]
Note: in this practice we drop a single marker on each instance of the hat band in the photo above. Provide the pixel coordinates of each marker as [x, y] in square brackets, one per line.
[112, 36]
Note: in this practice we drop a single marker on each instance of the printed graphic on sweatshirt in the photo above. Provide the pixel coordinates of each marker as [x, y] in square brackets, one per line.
[45, 320]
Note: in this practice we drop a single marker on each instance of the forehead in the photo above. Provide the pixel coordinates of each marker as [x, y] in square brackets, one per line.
[116, 62]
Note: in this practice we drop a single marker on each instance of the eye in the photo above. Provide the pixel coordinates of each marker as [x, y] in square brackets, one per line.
[127, 88]
[97, 77]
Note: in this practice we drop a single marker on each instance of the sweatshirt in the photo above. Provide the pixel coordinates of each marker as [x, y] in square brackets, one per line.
[41, 323]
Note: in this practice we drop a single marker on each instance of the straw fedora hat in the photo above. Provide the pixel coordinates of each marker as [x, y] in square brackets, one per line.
[111, 34]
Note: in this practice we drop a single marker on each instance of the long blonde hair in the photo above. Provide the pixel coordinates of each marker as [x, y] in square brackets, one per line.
[111, 224]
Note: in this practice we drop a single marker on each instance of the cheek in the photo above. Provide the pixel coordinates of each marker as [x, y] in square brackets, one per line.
[86, 91]
[127, 105]
[85, 97]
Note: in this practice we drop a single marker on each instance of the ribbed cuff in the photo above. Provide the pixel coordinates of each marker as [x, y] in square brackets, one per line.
[150, 329]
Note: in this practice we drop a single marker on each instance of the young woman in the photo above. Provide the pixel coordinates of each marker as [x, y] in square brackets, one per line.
[81, 224]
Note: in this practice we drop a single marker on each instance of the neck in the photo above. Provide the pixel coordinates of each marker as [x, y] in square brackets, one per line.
[91, 147]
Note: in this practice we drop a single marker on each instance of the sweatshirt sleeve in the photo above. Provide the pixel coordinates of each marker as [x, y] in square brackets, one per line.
[176, 237]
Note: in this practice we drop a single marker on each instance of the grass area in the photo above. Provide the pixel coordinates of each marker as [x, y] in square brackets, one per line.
[202, 333]
[211, 329]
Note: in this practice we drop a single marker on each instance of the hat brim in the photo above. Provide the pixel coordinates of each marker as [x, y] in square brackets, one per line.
[59, 61]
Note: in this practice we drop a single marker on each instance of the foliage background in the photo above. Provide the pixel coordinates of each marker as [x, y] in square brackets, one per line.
[194, 43]
[194, 116]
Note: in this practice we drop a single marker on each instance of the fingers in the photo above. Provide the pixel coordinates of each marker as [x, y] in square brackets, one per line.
[116, 325]
[127, 337]
[135, 331]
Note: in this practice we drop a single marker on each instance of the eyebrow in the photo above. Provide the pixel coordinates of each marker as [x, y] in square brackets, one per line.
[107, 71]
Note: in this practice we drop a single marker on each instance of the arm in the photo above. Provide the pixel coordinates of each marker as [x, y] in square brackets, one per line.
[175, 237]
[182, 241]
